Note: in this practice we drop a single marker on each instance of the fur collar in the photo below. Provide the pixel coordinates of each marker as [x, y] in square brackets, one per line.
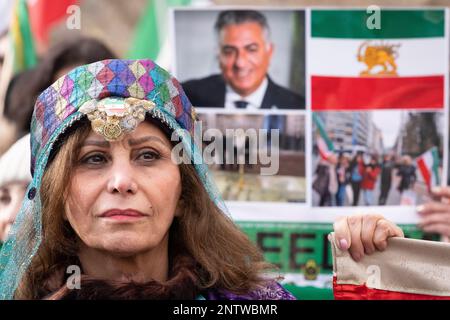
[182, 284]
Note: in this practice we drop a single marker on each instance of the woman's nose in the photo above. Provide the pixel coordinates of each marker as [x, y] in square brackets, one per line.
[122, 180]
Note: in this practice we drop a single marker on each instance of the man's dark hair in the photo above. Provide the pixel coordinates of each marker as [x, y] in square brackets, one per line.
[231, 17]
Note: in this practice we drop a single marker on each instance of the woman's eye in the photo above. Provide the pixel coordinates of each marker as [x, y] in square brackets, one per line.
[94, 159]
[148, 156]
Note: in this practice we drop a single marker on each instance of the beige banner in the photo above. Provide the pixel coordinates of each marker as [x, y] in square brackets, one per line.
[407, 265]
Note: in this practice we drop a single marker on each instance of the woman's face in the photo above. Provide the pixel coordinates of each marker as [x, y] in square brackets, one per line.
[11, 196]
[123, 195]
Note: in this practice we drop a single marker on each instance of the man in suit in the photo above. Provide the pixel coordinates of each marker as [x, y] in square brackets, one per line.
[245, 52]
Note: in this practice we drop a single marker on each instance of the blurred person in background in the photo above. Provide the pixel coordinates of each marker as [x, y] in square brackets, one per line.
[356, 176]
[325, 182]
[370, 175]
[3, 48]
[407, 174]
[7, 129]
[343, 178]
[14, 179]
[386, 178]
[25, 87]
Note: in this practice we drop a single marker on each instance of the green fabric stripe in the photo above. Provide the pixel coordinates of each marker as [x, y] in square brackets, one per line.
[151, 30]
[323, 133]
[351, 24]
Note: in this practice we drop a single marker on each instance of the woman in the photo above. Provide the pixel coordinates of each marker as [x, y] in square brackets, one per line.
[357, 171]
[369, 180]
[14, 179]
[343, 177]
[108, 198]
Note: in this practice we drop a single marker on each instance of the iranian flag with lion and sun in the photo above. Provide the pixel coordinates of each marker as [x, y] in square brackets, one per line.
[400, 65]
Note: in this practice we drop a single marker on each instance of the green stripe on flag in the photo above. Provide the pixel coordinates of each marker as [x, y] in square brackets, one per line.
[351, 24]
[435, 168]
[23, 43]
[152, 29]
[323, 133]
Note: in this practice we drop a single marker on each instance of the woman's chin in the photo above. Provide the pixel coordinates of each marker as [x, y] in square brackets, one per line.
[126, 244]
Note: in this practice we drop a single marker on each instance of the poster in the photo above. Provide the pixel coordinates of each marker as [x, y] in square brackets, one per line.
[359, 103]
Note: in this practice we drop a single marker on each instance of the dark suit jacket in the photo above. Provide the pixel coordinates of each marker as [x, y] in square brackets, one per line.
[210, 92]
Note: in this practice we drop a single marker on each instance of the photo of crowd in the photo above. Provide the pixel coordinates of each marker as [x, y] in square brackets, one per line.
[362, 159]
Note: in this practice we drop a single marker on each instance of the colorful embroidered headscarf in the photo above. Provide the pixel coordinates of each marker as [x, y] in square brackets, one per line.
[96, 91]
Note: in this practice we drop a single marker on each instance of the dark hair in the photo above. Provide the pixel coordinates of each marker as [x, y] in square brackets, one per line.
[25, 87]
[230, 17]
[73, 52]
[19, 100]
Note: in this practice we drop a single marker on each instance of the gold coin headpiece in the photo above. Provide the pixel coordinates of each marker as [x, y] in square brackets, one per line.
[113, 117]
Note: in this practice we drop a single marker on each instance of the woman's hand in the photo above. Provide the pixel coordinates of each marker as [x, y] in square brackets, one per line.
[435, 215]
[364, 234]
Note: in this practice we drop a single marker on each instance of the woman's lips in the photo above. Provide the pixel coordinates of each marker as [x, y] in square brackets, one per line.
[127, 214]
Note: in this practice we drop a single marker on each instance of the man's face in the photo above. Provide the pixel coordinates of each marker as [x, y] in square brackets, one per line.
[244, 56]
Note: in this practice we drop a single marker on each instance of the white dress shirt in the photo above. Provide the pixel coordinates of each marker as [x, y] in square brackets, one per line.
[254, 100]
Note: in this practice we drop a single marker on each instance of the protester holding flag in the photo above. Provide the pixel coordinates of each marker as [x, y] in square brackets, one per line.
[14, 179]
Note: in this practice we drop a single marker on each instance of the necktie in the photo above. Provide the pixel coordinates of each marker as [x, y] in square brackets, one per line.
[241, 104]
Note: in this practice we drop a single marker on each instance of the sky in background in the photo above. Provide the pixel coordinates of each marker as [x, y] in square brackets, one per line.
[389, 124]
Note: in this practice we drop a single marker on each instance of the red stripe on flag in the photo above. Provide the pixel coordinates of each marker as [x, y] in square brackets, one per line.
[362, 292]
[356, 93]
[425, 172]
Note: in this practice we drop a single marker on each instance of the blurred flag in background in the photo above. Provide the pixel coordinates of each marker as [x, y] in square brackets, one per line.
[151, 37]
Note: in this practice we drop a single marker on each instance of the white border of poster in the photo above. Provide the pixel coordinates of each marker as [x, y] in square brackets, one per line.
[305, 212]
[398, 213]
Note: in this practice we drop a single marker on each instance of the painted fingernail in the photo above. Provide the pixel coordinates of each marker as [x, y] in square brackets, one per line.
[343, 244]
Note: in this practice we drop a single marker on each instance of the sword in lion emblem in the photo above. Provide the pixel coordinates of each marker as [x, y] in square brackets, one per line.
[382, 55]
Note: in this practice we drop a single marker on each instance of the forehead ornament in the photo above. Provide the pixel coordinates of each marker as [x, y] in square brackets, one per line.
[113, 117]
